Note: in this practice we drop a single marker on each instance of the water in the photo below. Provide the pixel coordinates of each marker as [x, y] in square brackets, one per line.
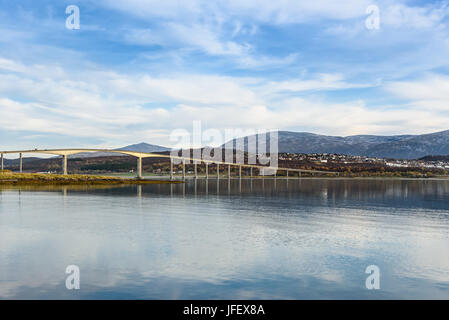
[296, 239]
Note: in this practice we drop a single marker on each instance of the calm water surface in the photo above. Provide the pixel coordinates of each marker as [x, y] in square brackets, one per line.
[296, 239]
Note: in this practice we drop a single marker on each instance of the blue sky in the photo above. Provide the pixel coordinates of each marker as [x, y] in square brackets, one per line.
[137, 70]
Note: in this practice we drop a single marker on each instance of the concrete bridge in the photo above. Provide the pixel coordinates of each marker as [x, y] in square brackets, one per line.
[140, 155]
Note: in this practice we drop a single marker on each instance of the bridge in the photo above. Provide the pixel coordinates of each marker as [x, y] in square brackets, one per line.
[140, 155]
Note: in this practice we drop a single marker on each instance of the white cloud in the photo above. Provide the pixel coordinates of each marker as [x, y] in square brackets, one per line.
[114, 107]
[10, 65]
[204, 37]
[256, 62]
[432, 87]
[431, 16]
[209, 39]
[320, 82]
[430, 93]
[279, 12]
[399, 22]
[355, 117]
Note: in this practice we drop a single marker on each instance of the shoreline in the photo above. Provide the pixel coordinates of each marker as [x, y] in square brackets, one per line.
[24, 179]
[10, 178]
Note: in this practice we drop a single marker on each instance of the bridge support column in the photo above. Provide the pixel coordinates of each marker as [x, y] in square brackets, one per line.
[171, 169]
[64, 164]
[196, 170]
[287, 174]
[183, 170]
[207, 170]
[218, 171]
[240, 172]
[20, 162]
[139, 167]
[2, 163]
[251, 172]
[229, 171]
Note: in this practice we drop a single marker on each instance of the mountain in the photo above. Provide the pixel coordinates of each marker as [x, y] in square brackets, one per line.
[16, 161]
[435, 158]
[140, 147]
[145, 147]
[397, 147]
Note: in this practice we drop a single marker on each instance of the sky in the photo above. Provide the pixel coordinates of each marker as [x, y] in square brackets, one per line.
[138, 70]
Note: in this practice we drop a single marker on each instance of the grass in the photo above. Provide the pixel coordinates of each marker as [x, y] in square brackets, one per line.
[10, 178]
[133, 174]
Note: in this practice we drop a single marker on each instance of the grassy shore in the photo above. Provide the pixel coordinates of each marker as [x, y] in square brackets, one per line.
[11, 178]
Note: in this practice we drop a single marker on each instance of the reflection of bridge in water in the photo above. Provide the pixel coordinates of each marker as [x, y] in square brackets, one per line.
[262, 170]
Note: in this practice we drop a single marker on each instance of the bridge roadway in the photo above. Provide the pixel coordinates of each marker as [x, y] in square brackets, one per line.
[140, 155]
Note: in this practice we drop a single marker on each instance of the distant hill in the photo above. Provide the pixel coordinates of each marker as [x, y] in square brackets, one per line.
[140, 147]
[396, 147]
[435, 158]
[145, 147]
[16, 161]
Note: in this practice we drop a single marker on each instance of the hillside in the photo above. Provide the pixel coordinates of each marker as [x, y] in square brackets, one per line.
[396, 147]
[140, 147]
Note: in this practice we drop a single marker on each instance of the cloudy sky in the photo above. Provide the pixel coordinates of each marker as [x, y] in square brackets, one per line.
[138, 69]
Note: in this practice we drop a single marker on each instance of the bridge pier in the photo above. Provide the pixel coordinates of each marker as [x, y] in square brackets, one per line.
[183, 170]
[196, 170]
[2, 163]
[251, 172]
[139, 167]
[286, 174]
[207, 170]
[171, 169]
[20, 162]
[64, 164]
[240, 172]
[229, 171]
[218, 171]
